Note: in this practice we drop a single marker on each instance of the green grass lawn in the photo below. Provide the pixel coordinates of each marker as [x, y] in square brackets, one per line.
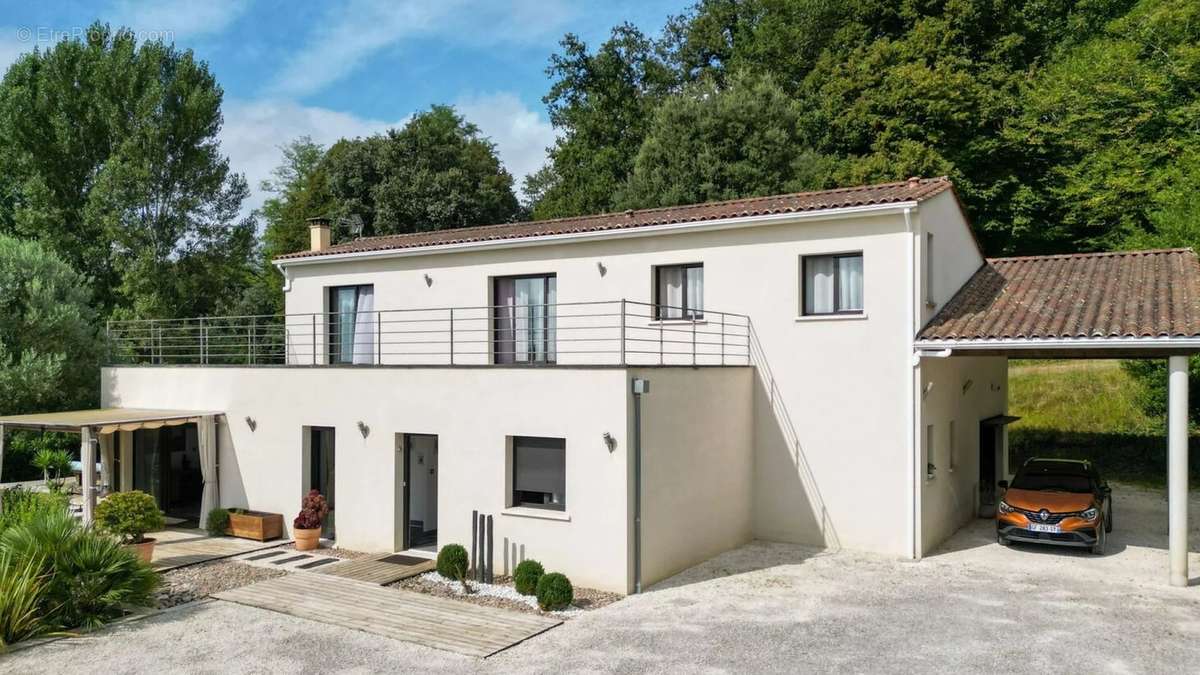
[1087, 409]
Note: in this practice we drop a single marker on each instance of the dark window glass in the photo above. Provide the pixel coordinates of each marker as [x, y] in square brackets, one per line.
[524, 318]
[539, 472]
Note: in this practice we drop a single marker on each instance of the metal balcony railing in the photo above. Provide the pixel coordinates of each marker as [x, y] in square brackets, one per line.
[613, 332]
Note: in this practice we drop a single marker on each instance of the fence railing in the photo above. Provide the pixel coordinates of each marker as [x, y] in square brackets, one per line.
[612, 332]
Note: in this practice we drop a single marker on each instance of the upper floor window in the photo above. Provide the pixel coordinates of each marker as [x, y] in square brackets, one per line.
[833, 284]
[351, 324]
[679, 291]
[524, 317]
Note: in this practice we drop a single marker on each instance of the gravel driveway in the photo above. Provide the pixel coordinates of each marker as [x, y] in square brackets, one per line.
[974, 607]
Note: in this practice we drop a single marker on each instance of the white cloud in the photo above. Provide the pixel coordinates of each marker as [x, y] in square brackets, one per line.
[176, 20]
[521, 135]
[353, 32]
[255, 130]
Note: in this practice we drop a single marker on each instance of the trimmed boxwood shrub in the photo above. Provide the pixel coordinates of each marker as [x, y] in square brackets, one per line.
[527, 575]
[554, 592]
[218, 522]
[452, 562]
[129, 515]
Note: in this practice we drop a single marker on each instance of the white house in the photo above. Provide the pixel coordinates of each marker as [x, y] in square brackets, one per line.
[781, 365]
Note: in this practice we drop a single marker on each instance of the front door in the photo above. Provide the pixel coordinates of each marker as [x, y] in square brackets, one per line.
[418, 480]
[166, 465]
[988, 435]
[321, 471]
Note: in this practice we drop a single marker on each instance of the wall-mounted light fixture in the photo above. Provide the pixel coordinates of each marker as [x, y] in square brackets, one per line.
[610, 441]
[428, 280]
[925, 391]
[363, 429]
[967, 386]
[251, 423]
[600, 266]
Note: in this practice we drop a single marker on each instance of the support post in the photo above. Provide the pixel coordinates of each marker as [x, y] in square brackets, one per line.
[1177, 468]
[474, 541]
[489, 578]
[87, 457]
[1, 462]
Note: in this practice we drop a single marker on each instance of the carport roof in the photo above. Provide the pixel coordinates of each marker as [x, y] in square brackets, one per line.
[1127, 300]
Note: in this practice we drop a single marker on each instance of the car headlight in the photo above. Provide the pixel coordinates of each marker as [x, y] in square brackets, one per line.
[1004, 508]
[1090, 514]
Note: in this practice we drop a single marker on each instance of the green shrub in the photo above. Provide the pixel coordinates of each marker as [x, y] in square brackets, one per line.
[527, 575]
[452, 562]
[22, 589]
[217, 522]
[554, 592]
[89, 576]
[19, 506]
[129, 515]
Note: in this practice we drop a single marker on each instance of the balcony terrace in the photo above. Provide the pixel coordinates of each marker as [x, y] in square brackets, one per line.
[600, 333]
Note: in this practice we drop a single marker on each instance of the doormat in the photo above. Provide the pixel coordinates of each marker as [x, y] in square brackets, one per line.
[406, 560]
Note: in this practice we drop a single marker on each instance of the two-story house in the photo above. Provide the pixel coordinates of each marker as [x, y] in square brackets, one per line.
[626, 394]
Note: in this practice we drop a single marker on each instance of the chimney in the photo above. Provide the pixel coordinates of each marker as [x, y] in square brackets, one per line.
[318, 233]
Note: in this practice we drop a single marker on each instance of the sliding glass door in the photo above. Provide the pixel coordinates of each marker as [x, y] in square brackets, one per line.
[166, 465]
[524, 319]
[352, 324]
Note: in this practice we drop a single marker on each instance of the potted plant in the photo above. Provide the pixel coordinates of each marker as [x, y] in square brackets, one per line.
[306, 528]
[130, 515]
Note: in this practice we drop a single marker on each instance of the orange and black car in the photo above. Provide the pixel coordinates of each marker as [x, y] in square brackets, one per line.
[1056, 501]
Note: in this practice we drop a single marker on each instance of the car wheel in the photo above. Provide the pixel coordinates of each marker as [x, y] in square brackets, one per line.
[1101, 539]
[1108, 517]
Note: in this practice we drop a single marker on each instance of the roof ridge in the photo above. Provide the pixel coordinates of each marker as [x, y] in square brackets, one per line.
[1093, 254]
[657, 209]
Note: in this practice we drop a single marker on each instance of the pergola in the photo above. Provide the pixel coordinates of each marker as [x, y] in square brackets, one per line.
[1128, 305]
[96, 426]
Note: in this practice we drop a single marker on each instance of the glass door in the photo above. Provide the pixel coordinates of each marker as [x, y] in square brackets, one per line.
[321, 471]
[524, 319]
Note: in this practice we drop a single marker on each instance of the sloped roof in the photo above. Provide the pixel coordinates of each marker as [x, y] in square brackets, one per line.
[912, 190]
[1126, 294]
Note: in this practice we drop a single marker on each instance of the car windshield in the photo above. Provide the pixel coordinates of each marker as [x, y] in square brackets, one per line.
[1062, 482]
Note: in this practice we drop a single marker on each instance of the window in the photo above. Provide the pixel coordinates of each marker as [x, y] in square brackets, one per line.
[352, 324]
[930, 467]
[929, 268]
[833, 284]
[539, 472]
[679, 291]
[524, 317]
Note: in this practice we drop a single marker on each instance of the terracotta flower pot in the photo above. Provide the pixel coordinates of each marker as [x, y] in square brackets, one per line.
[143, 550]
[307, 539]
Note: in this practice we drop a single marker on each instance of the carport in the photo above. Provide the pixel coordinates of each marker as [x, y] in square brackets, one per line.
[1124, 305]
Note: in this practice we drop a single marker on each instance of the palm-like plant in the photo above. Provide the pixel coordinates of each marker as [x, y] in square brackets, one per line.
[55, 464]
[22, 593]
[90, 577]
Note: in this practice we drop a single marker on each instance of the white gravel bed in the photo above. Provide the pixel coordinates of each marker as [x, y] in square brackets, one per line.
[496, 591]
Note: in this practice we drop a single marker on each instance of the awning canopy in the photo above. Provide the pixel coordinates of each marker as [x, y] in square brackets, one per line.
[104, 420]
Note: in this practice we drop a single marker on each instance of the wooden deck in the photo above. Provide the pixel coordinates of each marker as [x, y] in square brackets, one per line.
[426, 620]
[375, 569]
[178, 547]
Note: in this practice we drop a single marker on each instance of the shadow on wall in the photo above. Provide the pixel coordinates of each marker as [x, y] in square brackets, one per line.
[788, 504]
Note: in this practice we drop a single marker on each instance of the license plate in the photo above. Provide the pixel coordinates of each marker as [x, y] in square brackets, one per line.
[1039, 527]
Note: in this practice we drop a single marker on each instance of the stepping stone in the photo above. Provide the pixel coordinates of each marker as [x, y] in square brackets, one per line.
[316, 563]
[291, 559]
[272, 554]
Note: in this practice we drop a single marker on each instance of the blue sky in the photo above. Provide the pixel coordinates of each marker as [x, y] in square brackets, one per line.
[330, 70]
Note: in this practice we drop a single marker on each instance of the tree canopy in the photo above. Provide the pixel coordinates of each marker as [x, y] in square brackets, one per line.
[111, 159]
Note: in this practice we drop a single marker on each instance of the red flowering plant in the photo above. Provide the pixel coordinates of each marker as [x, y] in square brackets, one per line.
[313, 510]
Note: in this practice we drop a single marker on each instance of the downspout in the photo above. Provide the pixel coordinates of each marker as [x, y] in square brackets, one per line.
[910, 388]
[640, 386]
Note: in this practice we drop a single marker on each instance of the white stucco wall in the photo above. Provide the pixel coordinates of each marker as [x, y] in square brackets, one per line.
[964, 390]
[471, 410]
[830, 417]
[697, 466]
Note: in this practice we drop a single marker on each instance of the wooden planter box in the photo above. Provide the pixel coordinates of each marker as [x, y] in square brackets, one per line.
[256, 525]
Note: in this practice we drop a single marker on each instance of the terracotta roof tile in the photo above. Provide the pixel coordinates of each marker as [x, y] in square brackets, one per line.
[915, 189]
[1089, 295]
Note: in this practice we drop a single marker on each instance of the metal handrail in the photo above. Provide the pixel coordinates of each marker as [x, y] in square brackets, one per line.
[616, 332]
